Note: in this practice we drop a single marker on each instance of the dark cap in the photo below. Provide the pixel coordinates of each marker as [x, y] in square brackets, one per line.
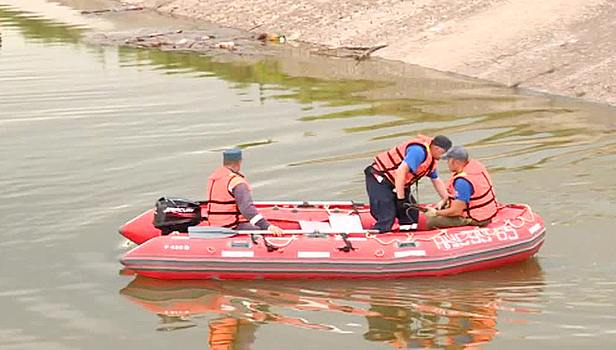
[232, 155]
[456, 152]
[443, 142]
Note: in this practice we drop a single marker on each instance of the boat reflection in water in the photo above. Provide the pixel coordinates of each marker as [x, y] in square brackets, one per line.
[458, 311]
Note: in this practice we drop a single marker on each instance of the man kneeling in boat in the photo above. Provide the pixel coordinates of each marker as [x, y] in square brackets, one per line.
[471, 201]
[229, 198]
[389, 179]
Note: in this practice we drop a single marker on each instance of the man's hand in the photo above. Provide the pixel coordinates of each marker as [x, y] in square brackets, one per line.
[442, 204]
[277, 231]
[430, 212]
[400, 207]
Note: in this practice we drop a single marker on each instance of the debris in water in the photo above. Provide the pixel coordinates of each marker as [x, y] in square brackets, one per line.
[123, 9]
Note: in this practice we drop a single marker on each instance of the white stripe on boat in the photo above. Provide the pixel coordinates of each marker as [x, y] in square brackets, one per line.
[534, 228]
[179, 237]
[237, 254]
[313, 254]
[409, 253]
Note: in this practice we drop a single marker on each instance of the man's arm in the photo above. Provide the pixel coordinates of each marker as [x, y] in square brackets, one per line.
[464, 191]
[400, 179]
[455, 209]
[244, 201]
[440, 188]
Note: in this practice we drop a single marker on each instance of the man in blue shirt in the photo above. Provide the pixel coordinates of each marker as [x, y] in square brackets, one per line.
[463, 208]
[389, 178]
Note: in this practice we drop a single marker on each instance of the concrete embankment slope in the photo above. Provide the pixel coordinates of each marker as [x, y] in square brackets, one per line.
[564, 47]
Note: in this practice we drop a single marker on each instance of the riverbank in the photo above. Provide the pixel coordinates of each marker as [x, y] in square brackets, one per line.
[560, 47]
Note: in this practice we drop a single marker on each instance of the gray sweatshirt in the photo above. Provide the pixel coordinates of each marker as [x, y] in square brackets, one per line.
[245, 204]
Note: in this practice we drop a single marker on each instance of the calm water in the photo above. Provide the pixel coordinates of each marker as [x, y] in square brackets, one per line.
[92, 136]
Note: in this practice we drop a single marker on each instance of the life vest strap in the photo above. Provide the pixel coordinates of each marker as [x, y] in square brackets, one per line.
[213, 201]
[224, 213]
[483, 204]
[381, 165]
[482, 195]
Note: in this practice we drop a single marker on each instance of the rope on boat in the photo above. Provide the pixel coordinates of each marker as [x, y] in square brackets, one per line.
[340, 211]
[280, 245]
[521, 217]
[476, 230]
[327, 208]
[479, 230]
[409, 238]
[442, 232]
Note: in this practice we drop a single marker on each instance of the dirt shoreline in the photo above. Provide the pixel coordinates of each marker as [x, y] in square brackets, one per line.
[563, 47]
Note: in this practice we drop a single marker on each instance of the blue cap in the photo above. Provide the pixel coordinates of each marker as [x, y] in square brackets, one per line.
[232, 155]
[456, 152]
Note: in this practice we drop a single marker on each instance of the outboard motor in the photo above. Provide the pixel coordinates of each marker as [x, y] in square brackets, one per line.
[176, 214]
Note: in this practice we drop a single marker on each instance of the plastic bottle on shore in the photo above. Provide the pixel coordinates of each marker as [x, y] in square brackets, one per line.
[277, 37]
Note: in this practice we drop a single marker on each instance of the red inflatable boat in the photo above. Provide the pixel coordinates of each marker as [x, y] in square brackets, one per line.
[329, 240]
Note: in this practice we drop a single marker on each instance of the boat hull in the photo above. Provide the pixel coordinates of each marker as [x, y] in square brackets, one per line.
[514, 235]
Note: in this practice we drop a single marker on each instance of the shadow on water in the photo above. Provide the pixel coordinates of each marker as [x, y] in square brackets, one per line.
[267, 73]
[383, 101]
[430, 312]
[36, 27]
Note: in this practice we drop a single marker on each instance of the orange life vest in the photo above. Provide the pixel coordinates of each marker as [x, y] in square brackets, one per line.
[482, 205]
[386, 163]
[222, 209]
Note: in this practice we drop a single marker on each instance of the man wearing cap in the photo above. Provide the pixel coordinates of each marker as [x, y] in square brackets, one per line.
[389, 178]
[229, 198]
[471, 198]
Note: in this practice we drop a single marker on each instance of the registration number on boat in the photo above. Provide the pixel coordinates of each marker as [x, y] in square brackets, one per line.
[177, 246]
[448, 241]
